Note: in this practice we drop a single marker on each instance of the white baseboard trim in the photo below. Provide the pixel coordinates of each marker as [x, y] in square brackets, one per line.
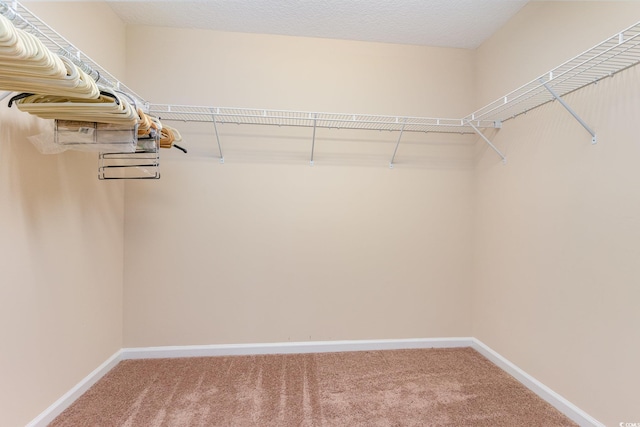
[49, 414]
[560, 403]
[290, 348]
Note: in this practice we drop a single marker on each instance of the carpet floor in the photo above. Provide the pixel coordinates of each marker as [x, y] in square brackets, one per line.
[425, 387]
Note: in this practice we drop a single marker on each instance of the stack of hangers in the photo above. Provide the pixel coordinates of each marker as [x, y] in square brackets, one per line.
[26, 65]
[53, 87]
[150, 127]
[169, 136]
[107, 108]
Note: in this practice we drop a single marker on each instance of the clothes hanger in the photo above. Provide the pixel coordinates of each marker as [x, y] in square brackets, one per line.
[76, 83]
[53, 87]
[108, 108]
[26, 65]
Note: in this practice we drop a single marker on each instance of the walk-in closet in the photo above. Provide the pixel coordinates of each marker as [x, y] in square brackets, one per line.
[319, 213]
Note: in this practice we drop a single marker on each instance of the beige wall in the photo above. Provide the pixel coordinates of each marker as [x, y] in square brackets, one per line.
[557, 228]
[197, 67]
[60, 252]
[266, 248]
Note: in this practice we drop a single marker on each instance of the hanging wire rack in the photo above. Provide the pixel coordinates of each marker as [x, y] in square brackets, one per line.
[144, 163]
[612, 56]
[247, 116]
[615, 54]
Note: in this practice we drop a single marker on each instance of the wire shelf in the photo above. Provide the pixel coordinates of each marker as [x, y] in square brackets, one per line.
[613, 55]
[245, 116]
[23, 18]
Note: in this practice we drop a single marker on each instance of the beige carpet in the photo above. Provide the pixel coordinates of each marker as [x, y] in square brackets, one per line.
[433, 387]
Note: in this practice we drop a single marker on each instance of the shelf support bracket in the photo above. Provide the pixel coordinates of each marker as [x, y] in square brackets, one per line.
[313, 138]
[481, 135]
[573, 113]
[215, 128]
[397, 143]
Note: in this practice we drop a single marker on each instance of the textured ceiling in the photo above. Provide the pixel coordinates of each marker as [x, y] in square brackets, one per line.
[447, 23]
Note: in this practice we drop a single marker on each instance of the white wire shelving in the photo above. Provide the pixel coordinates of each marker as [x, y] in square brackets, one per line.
[617, 53]
[612, 56]
[247, 116]
[313, 120]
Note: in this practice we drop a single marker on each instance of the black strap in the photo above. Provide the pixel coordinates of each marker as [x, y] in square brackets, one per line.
[184, 150]
[18, 97]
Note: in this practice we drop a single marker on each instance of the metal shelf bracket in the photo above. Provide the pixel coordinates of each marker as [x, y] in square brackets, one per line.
[571, 111]
[397, 143]
[313, 138]
[481, 135]
[215, 128]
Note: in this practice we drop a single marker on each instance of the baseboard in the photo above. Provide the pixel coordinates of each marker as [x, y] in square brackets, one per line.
[291, 348]
[560, 403]
[78, 390]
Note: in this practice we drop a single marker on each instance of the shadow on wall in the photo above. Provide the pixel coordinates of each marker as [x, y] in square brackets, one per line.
[332, 147]
[522, 139]
[31, 179]
[35, 187]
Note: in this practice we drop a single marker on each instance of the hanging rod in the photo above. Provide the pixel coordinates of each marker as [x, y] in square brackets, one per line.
[23, 18]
